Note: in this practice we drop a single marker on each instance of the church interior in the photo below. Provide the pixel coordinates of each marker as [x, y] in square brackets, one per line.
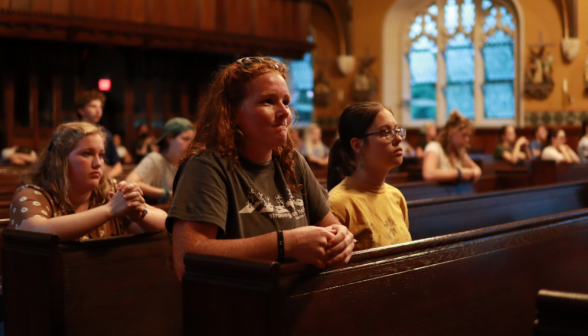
[476, 224]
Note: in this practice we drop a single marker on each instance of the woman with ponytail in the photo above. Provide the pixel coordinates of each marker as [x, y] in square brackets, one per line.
[368, 147]
[446, 160]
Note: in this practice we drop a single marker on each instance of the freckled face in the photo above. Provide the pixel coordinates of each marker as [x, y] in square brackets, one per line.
[264, 115]
[86, 163]
[379, 151]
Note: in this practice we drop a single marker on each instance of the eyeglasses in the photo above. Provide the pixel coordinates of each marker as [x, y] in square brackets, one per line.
[246, 61]
[389, 134]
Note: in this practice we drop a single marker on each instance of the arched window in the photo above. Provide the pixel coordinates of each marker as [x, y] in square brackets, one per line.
[456, 54]
[301, 86]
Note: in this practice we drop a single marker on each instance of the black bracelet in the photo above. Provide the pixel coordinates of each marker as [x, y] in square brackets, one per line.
[281, 252]
[458, 179]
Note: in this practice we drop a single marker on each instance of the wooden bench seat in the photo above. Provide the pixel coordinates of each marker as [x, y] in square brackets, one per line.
[117, 286]
[550, 172]
[481, 282]
[427, 190]
[435, 217]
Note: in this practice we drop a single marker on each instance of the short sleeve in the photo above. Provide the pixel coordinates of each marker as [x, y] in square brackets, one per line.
[434, 147]
[147, 169]
[316, 195]
[26, 203]
[551, 154]
[337, 203]
[200, 194]
[498, 152]
[326, 149]
[303, 150]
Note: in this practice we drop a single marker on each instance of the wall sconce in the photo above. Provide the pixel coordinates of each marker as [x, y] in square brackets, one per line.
[346, 64]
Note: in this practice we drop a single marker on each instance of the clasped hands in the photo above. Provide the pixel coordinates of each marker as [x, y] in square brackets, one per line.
[127, 201]
[330, 246]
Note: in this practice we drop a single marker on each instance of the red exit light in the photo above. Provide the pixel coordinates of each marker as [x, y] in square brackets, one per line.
[104, 84]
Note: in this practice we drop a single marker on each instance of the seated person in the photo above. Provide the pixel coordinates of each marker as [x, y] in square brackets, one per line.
[155, 173]
[243, 191]
[18, 155]
[583, 143]
[446, 159]
[313, 148]
[122, 151]
[536, 145]
[144, 145]
[428, 134]
[407, 150]
[369, 146]
[510, 148]
[557, 150]
[68, 194]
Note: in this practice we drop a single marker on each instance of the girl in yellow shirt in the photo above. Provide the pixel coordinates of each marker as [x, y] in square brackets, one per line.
[368, 147]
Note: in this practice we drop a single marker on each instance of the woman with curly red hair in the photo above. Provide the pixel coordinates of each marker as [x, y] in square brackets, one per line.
[242, 190]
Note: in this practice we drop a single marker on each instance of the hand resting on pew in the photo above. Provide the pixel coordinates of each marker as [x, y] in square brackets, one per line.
[325, 244]
[80, 202]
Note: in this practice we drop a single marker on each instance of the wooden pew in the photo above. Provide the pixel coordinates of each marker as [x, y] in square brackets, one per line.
[435, 217]
[549, 172]
[427, 190]
[481, 282]
[561, 313]
[117, 286]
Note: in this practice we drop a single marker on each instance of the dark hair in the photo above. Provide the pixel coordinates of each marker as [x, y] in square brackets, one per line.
[537, 128]
[552, 134]
[86, 97]
[584, 126]
[503, 130]
[354, 122]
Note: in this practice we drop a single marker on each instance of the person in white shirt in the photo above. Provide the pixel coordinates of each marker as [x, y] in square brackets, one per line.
[557, 150]
[583, 144]
[446, 159]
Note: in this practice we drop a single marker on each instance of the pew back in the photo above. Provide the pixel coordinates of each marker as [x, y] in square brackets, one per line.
[117, 286]
[430, 218]
[482, 282]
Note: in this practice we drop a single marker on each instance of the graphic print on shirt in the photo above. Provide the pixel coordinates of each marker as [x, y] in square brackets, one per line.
[293, 208]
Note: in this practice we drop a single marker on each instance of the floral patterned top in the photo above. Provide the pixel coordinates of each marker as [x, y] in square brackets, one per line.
[32, 201]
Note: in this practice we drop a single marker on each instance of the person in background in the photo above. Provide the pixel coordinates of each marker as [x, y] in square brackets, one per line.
[121, 150]
[155, 173]
[144, 145]
[313, 148]
[17, 155]
[510, 148]
[557, 150]
[68, 194]
[583, 143]
[447, 159]
[407, 149]
[536, 145]
[89, 107]
[370, 145]
[428, 134]
[296, 140]
[242, 191]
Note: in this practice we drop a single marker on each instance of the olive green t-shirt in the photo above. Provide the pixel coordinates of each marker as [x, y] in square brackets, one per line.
[499, 150]
[247, 200]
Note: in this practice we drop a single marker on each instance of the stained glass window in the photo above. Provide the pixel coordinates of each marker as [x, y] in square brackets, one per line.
[458, 44]
[423, 65]
[301, 86]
